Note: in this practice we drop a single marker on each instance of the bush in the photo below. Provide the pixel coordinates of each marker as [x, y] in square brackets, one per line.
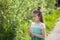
[50, 20]
[15, 16]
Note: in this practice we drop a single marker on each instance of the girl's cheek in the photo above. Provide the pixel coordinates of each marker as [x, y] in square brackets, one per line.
[36, 19]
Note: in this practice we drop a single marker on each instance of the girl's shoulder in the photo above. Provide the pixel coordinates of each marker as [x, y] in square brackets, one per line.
[42, 25]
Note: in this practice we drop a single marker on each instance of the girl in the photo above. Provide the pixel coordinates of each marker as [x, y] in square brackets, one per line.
[37, 28]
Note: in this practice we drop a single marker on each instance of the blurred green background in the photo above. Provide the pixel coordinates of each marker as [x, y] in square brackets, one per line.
[15, 16]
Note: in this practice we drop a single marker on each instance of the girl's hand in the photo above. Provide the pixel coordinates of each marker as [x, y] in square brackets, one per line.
[32, 35]
[29, 30]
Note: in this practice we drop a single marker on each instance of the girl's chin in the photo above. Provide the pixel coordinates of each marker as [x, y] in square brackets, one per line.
[36, 21]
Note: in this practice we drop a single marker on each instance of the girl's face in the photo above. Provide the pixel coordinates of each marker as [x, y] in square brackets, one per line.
[35, 17]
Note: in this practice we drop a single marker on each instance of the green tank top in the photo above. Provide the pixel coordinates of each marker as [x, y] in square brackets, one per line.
[36, 28]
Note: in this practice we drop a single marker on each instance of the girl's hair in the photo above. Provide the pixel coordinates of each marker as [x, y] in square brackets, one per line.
[39, 13]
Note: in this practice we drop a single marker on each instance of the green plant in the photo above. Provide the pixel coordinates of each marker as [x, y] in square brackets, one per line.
[15, 16]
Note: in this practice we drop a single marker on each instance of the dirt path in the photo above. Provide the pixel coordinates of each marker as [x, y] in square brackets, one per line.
[55, 33]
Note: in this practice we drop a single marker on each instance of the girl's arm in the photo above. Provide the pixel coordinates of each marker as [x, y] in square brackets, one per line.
[40, 36]
[29, 31]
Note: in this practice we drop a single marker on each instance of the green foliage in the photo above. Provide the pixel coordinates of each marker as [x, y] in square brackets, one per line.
[15, 16]
[50, 20]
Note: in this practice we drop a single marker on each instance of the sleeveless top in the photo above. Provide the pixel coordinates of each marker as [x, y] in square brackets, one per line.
[37, 29]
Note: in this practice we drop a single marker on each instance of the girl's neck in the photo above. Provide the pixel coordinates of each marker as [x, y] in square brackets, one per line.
[37, 22]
